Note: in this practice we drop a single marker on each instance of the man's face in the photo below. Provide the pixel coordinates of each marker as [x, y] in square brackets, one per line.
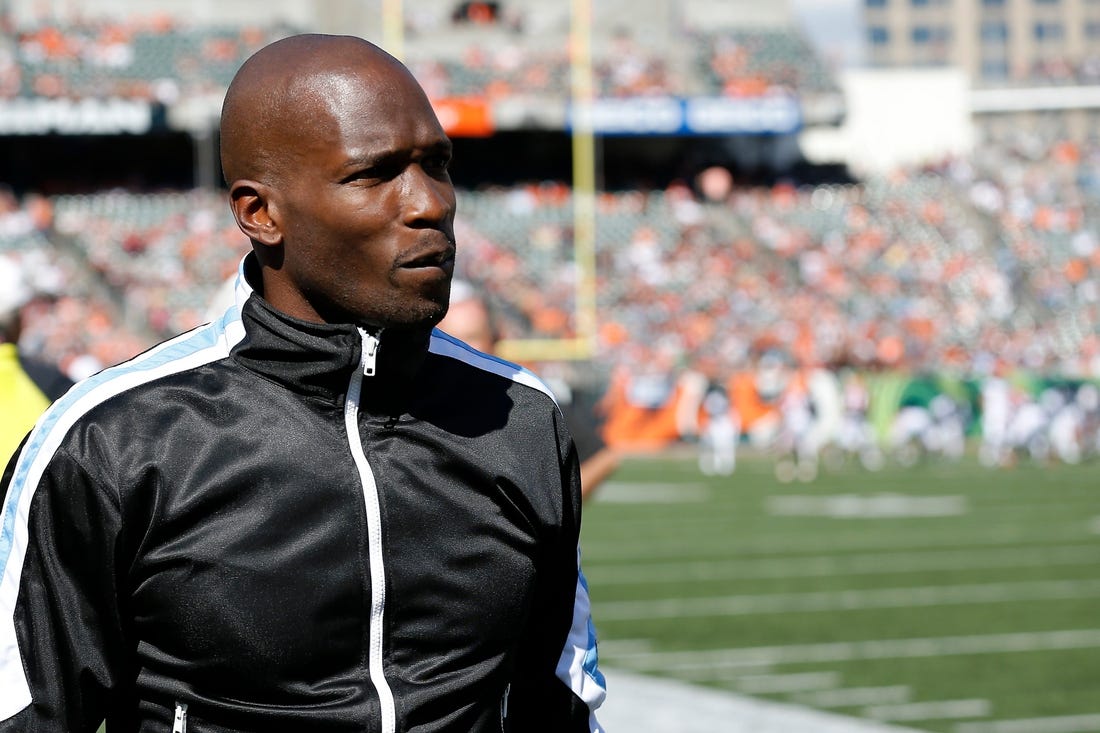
[366, 206]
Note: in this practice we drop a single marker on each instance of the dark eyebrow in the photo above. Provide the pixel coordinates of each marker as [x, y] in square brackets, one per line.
[441, 146]
[368, 160]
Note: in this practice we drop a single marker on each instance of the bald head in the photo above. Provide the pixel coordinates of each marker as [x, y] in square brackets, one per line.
[286, 91]
[338, 172]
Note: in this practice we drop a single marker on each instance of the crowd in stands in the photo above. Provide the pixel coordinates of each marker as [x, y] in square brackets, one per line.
[493, 72]
[167, 252]
[150, 58]
[754, 62]
[978, 266]
[952, 269]
[159, 59]
[115, 272]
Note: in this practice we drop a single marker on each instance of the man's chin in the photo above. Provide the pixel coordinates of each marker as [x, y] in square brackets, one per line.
[424, 316]
[435, 304]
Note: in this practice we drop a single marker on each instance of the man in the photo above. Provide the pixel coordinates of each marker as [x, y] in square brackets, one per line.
[27, 386]
[313, 514]
[470, 319]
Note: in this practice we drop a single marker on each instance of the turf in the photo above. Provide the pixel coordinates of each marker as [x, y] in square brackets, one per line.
[954, 581]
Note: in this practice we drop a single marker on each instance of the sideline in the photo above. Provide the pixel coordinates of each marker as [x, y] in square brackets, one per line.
[641, 657]
[640, 704]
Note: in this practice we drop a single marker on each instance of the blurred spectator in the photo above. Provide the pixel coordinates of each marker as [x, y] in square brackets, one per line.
[27, 386]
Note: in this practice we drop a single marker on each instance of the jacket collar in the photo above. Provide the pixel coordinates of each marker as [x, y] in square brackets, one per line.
[317, 359]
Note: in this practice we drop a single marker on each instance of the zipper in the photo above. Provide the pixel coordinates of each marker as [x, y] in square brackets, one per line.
[504, 708]
[367, 363]
[179, 722]
[369, 360]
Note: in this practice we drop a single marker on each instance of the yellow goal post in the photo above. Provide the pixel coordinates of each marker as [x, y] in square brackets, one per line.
[583, 344]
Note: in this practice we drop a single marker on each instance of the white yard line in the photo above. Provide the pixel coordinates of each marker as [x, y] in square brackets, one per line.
[626, 646]
[641, 546]
[846, 697]
[638, 704]
[818, 566]
[751, 657]
[1062, 724]
[865, 506]
[622, 492]
[931, 710]
[770, 684]
[848, 600]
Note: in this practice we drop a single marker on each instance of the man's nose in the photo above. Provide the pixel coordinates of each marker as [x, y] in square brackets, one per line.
[427, 199]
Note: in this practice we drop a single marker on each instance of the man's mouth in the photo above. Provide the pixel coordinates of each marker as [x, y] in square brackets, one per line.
[442, 258]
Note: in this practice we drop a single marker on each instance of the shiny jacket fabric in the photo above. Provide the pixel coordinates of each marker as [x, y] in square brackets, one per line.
[271, 525]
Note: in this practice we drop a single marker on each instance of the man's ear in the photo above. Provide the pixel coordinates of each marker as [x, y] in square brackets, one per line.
[254, 212]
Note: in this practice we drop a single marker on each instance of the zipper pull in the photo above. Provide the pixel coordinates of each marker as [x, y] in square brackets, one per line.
[179, 723]
[369, 359]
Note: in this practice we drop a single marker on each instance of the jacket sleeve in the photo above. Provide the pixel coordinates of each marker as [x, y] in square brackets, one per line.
[60, 635]
[558, 685]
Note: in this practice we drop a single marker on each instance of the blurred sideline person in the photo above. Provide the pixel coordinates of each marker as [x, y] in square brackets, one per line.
[471, 320]
[856, 435]
[27, 386]
[811, 409]
[719, 434]
[315, 513]
[996, 412]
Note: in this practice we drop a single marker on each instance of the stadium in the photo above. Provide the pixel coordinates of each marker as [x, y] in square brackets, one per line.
[886, 277]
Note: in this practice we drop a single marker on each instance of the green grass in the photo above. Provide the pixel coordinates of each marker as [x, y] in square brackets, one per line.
[993, 595]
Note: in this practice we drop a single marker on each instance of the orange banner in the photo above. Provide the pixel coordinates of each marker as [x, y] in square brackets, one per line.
[463, 117]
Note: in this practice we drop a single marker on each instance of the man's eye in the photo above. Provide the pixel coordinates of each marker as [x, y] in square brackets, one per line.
[362, 175]
[374, 173]
[437, 162]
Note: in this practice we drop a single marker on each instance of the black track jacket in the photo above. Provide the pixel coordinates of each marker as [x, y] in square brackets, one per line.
[271, 525]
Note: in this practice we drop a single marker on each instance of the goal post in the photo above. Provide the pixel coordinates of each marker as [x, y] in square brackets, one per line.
[583, 344]
[393, 28]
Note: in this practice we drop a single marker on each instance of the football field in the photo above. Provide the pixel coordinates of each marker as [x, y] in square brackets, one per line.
[944, 597]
